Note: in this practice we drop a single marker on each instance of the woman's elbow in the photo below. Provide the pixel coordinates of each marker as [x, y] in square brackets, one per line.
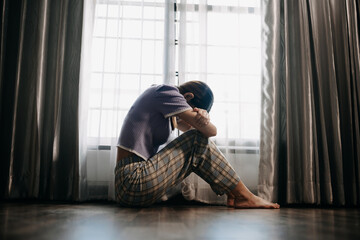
[211, 132]
[214, 133]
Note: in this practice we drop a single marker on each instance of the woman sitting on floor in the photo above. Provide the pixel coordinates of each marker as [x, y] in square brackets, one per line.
[143, 175]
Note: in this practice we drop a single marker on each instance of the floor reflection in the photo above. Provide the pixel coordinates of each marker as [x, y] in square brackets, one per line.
[108, 221]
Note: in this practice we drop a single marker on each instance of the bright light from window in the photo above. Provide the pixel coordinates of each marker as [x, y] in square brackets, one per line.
[221, 47]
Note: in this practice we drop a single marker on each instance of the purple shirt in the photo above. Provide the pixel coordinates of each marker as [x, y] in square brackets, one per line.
[147, 124]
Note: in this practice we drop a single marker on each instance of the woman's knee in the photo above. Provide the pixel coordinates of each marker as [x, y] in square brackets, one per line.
[197, 135]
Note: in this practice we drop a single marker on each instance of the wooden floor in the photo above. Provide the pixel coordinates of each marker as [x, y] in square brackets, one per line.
[100, 221]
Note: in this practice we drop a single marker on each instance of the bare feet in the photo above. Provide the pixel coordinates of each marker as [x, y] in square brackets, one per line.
[254, 202]
[241, 197]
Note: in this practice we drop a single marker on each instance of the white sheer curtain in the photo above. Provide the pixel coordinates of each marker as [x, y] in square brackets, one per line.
[129, 45]
[123, 50]
[219, 43]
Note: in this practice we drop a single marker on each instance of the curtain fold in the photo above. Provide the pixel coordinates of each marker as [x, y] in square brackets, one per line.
[40, 59]
[310, 102]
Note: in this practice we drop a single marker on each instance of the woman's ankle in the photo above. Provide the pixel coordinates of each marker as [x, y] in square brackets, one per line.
[241, 191]
[230, 200]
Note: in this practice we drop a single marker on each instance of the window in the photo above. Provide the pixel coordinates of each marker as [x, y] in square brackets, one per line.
[219, 43]
[133, 44]
[127, 57]
[216, 41]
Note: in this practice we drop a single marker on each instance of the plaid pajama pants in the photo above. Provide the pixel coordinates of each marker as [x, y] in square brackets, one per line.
[142, 183]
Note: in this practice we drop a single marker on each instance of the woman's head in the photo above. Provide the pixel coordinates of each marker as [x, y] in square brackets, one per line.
[198, 94]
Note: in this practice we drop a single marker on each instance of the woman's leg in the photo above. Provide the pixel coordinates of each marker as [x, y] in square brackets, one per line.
[141, 183]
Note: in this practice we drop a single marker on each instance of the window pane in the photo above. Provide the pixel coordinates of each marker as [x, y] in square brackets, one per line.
[129, 82]
[192, 32]
[95, 82]
[95, 100]
[225, 87]
[219, 30]
[250, 125]
[192, 59]
[112, 28]
[110, 55]
[250, 30]
[131, 29]
[250, 89]
[154, 13]
[93, 123]
[100, 10]
[153, 30]
[130, 56]
[233, 112]
[148, 57]
[114, 11]
[222, 60]
[109, 81]
[250, 61]
[108, 99]
[132, 12]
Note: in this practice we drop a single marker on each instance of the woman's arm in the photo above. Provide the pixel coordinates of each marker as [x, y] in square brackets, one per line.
[182, 125]
[200, 120]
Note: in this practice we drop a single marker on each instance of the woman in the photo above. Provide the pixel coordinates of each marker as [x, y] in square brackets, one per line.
[143, 175]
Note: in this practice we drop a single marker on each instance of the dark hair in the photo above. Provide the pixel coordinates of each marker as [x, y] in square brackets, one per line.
[203, 96]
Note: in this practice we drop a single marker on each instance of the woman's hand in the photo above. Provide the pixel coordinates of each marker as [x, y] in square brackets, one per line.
[200, 120]
[202, 117]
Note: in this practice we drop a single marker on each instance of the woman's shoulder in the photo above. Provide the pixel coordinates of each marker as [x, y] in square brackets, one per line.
[166, 90]
[157, 89]
[158, 92]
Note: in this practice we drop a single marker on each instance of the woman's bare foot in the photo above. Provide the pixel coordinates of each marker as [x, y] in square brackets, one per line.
[241, 197]
[254, 202]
